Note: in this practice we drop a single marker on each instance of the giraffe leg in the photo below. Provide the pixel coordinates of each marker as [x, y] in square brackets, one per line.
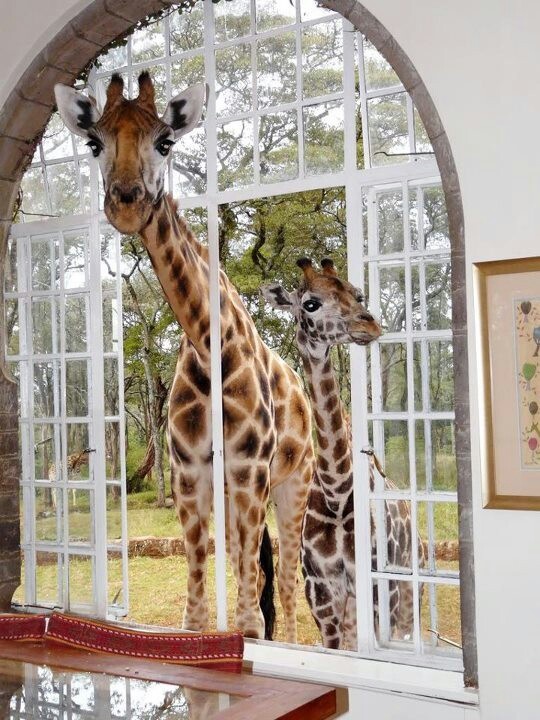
[193, 499]
[290, 499]
[350, 641]
[327, 600]
[246, 524]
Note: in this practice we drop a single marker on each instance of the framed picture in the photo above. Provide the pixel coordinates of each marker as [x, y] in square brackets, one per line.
[507, 295]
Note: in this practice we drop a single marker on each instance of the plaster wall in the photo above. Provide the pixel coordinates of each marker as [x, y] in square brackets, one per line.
[479, 61]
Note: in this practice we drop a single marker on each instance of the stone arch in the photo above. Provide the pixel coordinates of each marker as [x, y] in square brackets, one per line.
[23, 119]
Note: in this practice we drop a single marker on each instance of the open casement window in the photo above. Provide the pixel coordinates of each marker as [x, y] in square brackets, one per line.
[300, 103]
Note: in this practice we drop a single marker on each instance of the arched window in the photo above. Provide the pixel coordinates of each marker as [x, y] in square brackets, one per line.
[309, 146]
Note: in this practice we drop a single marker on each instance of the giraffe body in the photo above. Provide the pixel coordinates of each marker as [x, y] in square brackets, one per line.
[329, 311]
[266, 417]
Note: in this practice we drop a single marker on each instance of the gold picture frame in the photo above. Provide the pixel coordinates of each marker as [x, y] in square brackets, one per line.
[507, 300]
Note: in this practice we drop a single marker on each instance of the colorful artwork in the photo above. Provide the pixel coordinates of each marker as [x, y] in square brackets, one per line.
[527, 336]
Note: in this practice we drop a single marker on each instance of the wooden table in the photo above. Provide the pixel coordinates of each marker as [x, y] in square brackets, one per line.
[255, 697]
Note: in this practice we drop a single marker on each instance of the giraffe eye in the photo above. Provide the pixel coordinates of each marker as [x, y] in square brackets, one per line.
[164, 146]
[95, 147]
[312, 305]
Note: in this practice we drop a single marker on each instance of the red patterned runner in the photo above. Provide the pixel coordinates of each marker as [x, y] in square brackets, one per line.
[215, 651]
[22, 627]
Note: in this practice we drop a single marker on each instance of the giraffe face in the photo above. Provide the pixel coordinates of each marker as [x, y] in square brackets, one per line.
[131, 142]
[328, 311]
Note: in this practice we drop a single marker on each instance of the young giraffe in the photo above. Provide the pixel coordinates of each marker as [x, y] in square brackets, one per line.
[329, 311]
[266, 417]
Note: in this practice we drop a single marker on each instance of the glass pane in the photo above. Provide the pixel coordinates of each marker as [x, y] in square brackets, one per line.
[435, 226]
[75, 259]
[388, 129]
[235, 154]
[310, 10]
[323, 138]
[11, 267]
[84, 173]
[232, 19]
[441, 375]
[34, 195]
[189, 164]
[186, 72]
[393, 363]
[64, 189]
[12, 327]
[392, 530]
[115, 580]
[112, 450]
[276, 70]
[42, 264]
[233, 79]
[393, 612]
[79, 454]
[392, 297]
[44, 327]
[418, 322]
[379, 74]
[417, 371]
[438, 530]
[114, 514]
[441, 614]
[80, 515]
[148, 43]
[110, 324]
[438, 296]
[114, 58]
[46, 446]
[48, 509]
[108, 258]
[75, 323]
[420, 444]
[76, 388]
[198, 222]
[390, 440]
[322, 59]
[44, 395]
[278, 147]
[443, 455]
[48, 578]
[81, 580]
[390, 221]
[274, 13]
[110, 369]
[56, 140]
[187, 29]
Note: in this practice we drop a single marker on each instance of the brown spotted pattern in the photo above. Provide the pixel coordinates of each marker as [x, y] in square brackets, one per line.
[266, 417]
[328, 311]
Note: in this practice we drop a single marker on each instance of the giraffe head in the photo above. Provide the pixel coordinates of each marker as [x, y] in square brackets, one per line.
[328, 311]
[131, 142]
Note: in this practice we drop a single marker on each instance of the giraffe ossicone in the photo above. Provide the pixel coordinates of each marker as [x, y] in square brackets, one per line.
[329, 311]
[266, 416]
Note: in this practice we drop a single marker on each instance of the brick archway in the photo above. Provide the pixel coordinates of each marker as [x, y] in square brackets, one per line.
[23, 119]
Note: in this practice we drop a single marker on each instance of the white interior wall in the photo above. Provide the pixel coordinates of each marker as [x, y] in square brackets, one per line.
[480, 61]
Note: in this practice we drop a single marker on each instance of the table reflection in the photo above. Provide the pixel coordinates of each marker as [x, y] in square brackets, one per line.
[46, 693]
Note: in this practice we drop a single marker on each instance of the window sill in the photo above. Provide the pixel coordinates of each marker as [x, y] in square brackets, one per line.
[324, 667]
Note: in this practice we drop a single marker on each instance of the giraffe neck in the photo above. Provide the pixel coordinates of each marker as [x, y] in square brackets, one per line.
[334, 464]
[181, 265]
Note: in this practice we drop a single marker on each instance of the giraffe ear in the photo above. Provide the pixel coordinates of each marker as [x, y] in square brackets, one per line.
[184, 111]
[276, 296]
[78, 112]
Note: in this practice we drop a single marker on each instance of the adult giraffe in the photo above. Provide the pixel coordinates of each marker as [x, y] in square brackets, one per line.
[329, 311]
[267, 432]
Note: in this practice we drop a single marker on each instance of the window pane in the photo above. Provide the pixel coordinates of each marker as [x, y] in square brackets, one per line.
[186, 29]
[56, 140]
[436, 233]
[278, 145]
[393, 363]
[310, 10]
[392, 524]
[80, 515]
[379, 74]
[274, 13]
[421, 137]
[64, 189]
[44, 394]
[48, 509]
[322, 59]
[81, 580]
[391, 442]
[189, 164]
[48, 578]
[388, 129]
[75, 260]
[441, 375]
[186, 72]
[438, 528]
[438, 296]
[76, 388]
[34, 194]
[114, 58]
[75, 323]
[79, 460]
[47, 465]
[110, 324]
[112, 450]
[114, 515]
[276, 70]
[148, 43]
[235, 154]
[443, 453]
[232, 19]
[233, 79]
[323, 138]
[394, 619]
[42, 264]
[392, 297]
[441, 613]
[110, 369]
[12, 326]
[390, 221]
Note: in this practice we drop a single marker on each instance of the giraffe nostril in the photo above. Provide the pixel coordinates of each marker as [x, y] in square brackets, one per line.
[126, 193]
[127, 197]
